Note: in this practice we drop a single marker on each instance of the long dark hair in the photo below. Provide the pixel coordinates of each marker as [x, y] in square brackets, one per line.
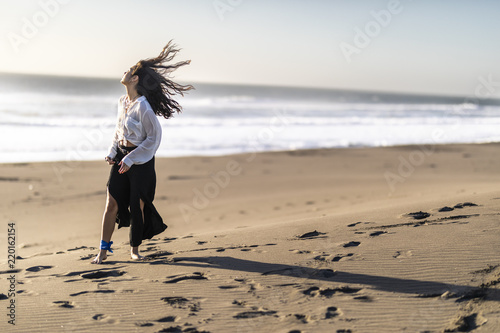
[155, 83]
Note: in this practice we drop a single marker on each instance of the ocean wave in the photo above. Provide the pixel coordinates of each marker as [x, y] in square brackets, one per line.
[78, 123]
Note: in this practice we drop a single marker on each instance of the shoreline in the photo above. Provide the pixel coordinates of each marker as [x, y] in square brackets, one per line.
[258, 152]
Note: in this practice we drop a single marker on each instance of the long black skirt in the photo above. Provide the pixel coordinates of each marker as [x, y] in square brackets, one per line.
[139, 182]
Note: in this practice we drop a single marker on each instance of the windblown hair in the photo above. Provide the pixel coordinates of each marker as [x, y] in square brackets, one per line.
[155, 81]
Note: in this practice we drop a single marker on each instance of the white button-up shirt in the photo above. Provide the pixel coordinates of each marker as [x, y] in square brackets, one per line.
[140, 126]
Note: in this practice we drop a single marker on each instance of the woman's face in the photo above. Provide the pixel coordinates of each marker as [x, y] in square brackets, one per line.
[127, 77]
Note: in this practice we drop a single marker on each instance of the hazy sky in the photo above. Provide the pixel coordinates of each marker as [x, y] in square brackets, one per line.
[436, 47]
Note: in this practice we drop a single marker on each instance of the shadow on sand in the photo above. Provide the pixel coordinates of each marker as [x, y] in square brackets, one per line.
[384, 283]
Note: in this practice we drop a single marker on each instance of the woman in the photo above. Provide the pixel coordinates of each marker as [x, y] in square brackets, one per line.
[132, 180]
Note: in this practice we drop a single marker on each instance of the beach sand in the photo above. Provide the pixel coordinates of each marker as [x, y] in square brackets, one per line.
[299, 241]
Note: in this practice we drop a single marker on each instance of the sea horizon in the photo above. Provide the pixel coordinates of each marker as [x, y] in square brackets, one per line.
[409, 96]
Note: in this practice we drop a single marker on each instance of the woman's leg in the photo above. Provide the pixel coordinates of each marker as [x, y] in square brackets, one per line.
[142, 188]
[134, 250]
[108, 226]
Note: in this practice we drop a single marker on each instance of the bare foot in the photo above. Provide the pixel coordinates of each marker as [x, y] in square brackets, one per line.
[134, 254]
[101, 256]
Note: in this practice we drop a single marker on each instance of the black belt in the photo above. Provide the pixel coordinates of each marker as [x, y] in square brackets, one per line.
[125, 150]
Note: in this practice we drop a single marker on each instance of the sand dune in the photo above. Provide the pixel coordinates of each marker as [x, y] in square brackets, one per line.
[305, 241]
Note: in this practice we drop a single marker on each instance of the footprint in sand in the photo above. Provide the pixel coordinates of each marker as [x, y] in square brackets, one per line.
[65, 304]
[356, 223]
[175, 301]
[178, 329]
[183, 303]
[466, 322]
[104, 318]
[150, 248]
[10, 271]
[322, 257]
[457, 206]
[304, 319]
[332, 312]
[239, 303]
[363, 298]
[102, 274]
[329, 292]
[300, 251]
[228, 287]
[194, 276]
[99, 316]
[168, 319]
[243, 280]
[401, 254]
[143, 324]
[38, 268]
[99, 291]
[351, 244]
[158, 255]
[253, 314]
[377, 233]
[255, 286]
[465, 204]
[328, 257]
[419, 215]
[311, 235]
[339, 257]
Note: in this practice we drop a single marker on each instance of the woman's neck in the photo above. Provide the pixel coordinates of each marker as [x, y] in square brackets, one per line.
[131, 93]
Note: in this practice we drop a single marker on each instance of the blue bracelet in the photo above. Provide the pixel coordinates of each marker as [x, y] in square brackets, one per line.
[106, 246]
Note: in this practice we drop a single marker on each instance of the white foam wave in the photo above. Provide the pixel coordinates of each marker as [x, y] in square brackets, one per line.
[80, 126]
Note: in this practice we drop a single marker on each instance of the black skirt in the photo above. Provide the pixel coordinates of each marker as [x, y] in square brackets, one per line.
[139, 182]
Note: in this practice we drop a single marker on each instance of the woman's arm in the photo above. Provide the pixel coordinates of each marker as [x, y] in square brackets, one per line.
[147, 149]
[113, 149]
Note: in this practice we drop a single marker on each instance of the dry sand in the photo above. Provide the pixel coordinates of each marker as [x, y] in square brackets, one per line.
[303, 241]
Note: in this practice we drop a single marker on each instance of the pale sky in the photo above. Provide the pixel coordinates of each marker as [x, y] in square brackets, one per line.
[426, 46]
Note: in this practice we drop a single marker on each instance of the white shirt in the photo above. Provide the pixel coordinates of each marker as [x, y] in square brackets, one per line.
[139, 126]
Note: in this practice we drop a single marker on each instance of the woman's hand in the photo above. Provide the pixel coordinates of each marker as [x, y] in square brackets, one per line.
[109, 160]
[123, 167]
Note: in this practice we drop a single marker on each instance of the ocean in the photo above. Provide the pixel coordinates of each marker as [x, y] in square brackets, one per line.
[48, 118]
